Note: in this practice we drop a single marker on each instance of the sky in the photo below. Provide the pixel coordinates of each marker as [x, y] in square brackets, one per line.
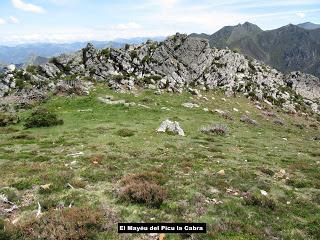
[28, 21]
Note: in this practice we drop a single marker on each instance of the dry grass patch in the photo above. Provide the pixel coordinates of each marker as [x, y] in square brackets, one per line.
[70, 223]
[143, 188]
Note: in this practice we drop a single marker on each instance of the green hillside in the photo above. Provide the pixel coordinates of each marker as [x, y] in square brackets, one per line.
[256, 182]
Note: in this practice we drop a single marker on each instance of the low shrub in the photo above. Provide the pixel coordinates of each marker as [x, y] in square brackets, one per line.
[246, 119]
[143, 189]
[279, 122]
[226, 115]
[216, 129]
[300, 126]
[70, 223]
[42, 118]
[125, 132]
[7, 119]
[261, 201]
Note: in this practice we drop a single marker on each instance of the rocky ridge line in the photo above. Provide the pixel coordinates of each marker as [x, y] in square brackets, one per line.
[180, 62]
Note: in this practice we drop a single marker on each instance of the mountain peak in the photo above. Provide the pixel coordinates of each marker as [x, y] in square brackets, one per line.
[309, 25]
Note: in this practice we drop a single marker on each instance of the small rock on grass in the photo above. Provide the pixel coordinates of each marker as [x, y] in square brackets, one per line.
[264, 193]
[171, 127]
[221, 173]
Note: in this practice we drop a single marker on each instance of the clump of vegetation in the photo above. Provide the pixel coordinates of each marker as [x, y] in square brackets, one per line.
[226, 115]
[133, 54]
[150, 79]
[69, 223]
[259, 200]
[298, 183]
[22, 79]
[7, 119]
[246, 119]
[106, 53]
[216, 129]
[143, 188]
[125, 132]
[279, 122]
[32, 69]
[300, 126]
[117, 78]
[42, 117]
[64, 68]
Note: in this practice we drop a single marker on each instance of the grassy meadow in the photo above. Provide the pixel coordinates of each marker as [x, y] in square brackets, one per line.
[256, 182]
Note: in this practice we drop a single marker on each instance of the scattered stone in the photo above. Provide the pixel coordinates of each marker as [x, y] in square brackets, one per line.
[259, 107]
[213, 201]
[77, 87]
[131, 104]
[194, 92]
[143, 106]
[316, 138]
[46, 186]
[6, 206]
[221, 173]
[233, 192]
[74, 155]
[171, 127]
[166, 109]
[235, 109]
[158, 92]
[264, 193]
[84, 110]
[206, 109]
[190, 105]
[110, 101]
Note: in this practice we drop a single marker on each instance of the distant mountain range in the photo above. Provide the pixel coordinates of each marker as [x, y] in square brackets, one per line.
[28, 53]
[289, 48]
[309, 25]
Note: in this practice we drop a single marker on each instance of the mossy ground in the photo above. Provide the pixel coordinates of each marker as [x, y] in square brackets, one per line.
[111, 142]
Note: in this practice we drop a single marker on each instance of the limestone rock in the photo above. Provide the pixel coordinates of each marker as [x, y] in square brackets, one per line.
[171, 127]
[190, 105]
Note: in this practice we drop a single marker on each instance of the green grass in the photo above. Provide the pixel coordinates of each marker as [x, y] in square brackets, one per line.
[114, 141]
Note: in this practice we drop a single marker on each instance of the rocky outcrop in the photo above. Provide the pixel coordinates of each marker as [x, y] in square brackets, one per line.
[181, 63]
[168, 126]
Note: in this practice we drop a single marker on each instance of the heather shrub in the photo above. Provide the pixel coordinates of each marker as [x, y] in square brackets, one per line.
[7, 119]
[259, 200]
[227, 115]
[279, 122]
[143, 189]
[125, 132]
[216, 129]
[69, 223]
[42, 118]
[246, 119]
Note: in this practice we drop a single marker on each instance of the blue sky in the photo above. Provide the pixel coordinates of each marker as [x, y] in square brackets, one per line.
[81, 20]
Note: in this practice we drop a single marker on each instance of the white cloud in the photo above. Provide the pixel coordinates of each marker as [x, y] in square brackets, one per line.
[167, 3]
[2, 21]
[14, 20]
[19, 4]
[127, 26]
[301, 14]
